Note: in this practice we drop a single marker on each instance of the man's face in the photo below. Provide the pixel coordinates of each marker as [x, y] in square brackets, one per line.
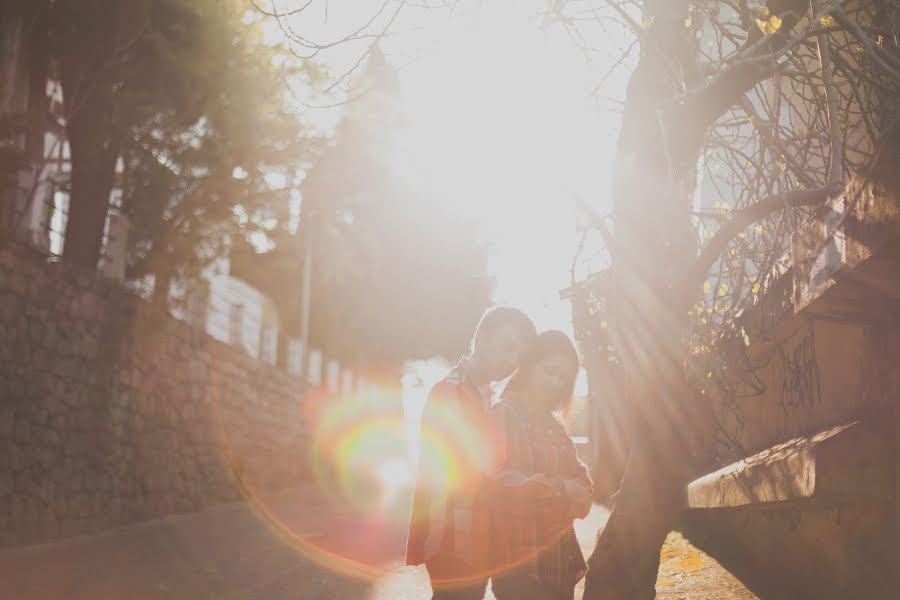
[502, 349]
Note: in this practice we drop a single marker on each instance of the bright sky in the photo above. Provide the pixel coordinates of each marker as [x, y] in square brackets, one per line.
[501, 120]
[500, 113]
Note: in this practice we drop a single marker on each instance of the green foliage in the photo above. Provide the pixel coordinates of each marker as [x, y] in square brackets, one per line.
[187, 93]
[227, 171]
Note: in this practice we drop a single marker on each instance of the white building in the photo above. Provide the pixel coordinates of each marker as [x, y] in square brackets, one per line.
[232, 311]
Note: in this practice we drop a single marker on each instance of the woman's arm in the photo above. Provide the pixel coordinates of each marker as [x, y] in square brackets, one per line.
[580, 497]
[508, 475]
[577, 485]
[522, 485]
[568, 494]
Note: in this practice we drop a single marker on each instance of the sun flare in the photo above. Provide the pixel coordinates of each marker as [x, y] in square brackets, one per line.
[498, 124]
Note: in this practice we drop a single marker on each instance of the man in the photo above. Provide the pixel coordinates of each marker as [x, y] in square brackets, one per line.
[448, 526]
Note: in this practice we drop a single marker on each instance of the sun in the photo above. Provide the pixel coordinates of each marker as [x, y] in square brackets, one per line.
[498, 124]
[500, 120]
[487, 112]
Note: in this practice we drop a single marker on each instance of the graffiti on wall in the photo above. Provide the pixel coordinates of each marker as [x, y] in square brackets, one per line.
[797, 374]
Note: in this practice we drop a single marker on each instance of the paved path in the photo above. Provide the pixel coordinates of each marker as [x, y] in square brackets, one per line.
[289, 545]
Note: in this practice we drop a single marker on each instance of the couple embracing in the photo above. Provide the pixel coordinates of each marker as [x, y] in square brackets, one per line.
[499, 486]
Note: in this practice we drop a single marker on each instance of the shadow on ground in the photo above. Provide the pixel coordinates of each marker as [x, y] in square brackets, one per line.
[264, 548]
[300, 544]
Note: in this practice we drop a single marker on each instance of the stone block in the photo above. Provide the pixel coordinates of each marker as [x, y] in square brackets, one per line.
[80, 506]
[199, 371]
[7, 483]
[45, 456]
[16, 457]
[7, 420]
[15, 389]
[8, 538]
[48, 437]
[36, 331]
[18, 282]
[22, 432]
[9, 306]
[73, 526]
[48, 525]
[59, 475]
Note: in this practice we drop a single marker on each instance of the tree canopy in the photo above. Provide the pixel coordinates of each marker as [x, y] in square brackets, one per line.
[190, 188]
[191, 99]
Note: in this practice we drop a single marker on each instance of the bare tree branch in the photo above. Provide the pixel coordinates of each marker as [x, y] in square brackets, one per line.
[834, 125]
[599, 222]
[881, 58]
[743, 219]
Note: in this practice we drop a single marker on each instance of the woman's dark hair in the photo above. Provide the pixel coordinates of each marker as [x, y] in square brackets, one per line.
[548, 343]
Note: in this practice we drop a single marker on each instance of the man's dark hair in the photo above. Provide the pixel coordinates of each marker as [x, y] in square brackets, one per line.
[497, 317]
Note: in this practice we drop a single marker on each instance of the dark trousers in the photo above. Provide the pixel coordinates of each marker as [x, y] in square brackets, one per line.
[452, 579]
[519, 586]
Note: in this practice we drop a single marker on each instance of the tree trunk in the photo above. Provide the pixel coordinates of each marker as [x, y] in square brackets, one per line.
[38, 67]
[162, 283]
[668, 110]
[87, 52]
[653, 193]
[93, 167]
[23, 106]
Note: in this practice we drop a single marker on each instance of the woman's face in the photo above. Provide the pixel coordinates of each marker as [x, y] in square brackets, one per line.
[552, 376]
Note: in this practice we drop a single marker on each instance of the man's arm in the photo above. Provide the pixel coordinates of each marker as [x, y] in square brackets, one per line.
[433, 430]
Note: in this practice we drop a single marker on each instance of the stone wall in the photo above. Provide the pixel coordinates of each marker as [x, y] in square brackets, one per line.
[809, 375]
[789, 551]
[811, 520]
[112, 411]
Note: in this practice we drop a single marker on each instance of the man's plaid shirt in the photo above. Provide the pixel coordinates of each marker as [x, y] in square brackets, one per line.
[453, 522]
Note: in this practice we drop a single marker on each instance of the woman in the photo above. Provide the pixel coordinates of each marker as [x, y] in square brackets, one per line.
[539, 486]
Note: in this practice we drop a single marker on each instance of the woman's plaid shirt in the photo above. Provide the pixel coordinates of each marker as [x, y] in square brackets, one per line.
[531, 526]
